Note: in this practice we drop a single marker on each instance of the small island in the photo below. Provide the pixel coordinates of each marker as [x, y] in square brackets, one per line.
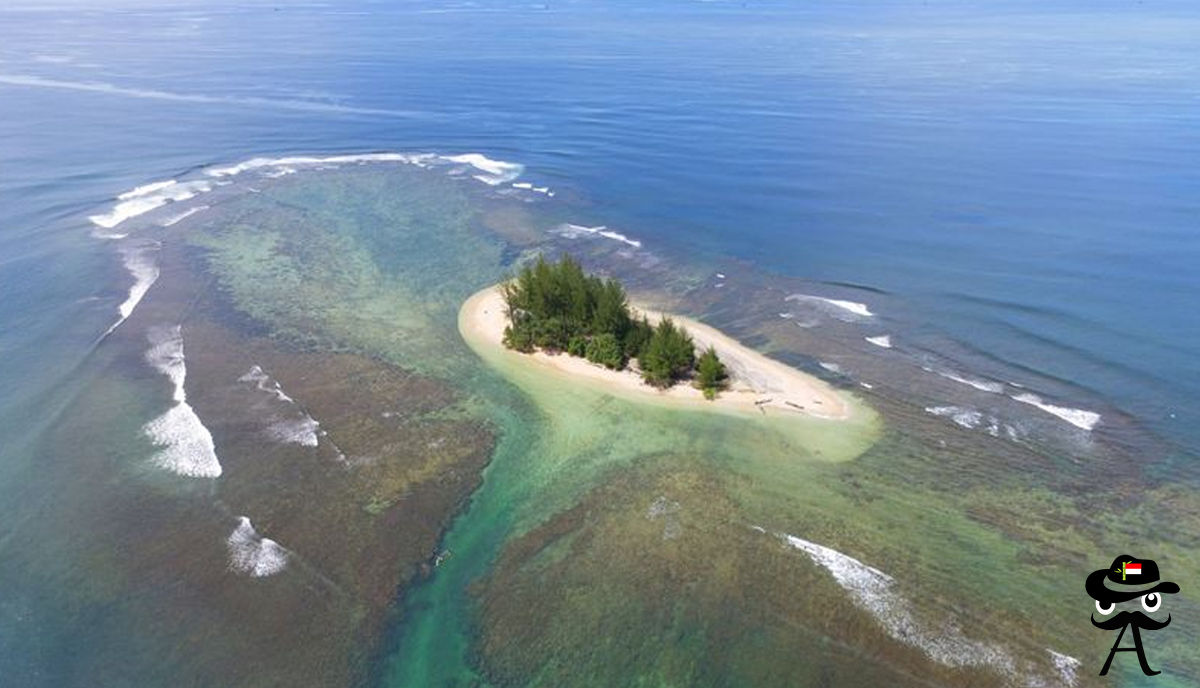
[557, 308]
[564, 322]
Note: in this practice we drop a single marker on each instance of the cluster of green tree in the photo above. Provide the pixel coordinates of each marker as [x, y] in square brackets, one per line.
[558, 307]
[710, 373]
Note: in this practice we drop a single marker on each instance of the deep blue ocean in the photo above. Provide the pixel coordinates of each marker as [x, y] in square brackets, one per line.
[1020, 179]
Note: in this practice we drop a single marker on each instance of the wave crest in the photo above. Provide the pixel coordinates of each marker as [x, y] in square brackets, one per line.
[571, 231]
[187, 446]
[253, 555]
[1080, 418]
[834, 307]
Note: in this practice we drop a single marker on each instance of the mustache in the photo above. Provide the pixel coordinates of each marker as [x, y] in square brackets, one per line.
[1138, 619]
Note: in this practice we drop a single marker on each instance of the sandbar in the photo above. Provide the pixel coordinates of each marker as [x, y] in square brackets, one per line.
[757, 383]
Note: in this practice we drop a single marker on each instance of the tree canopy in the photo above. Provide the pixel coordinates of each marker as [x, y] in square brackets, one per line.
[556, 306]
[668, 356]
[710, 373]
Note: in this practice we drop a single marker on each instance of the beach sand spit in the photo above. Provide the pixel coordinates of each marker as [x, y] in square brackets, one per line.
[757, 383]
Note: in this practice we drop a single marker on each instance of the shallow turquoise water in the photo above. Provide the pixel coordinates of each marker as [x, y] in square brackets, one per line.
[1011, 188]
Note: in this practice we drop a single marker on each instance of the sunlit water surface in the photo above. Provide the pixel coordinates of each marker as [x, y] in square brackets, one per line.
[1004, 196]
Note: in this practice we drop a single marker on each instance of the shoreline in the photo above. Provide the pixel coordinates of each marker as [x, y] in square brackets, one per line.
[757, 383]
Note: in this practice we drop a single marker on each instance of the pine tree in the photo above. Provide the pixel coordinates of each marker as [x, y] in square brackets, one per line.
[605, 350]
[557, 306]
[668, 355]
[710, 373]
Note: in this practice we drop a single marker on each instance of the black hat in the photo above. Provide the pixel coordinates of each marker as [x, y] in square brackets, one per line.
[1130, 573]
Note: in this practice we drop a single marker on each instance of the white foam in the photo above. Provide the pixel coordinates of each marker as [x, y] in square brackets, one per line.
[874, 591]
[851, 307]
[1067, 666]
[1080, 418]
[255, 164]
[146, 189]
[572, 231]
[180, 217]
[148, 197]
[187, 446]
[884, 340]
[496, 171]
[264, 383]
[145, 273]
[966, 417]
[972, 419]
[142, 200]
[303, 430]
[981, 385]
[166, 356]
[526, 186]
[253, 555]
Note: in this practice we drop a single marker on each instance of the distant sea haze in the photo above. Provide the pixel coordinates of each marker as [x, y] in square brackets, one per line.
[977, 218]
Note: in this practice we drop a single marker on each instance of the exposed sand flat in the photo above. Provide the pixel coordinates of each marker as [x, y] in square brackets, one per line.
[757, 383]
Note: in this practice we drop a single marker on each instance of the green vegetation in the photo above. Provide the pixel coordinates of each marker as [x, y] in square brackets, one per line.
[606, 350]
[668, 356]
[558, 307]
[710, 373]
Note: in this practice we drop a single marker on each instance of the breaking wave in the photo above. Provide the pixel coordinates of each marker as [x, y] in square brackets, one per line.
[966, 417]
[571, 231]
[835, 307]
[972, 419]
[981, 385]
[303, 429]
[294, 161]
[154, 195]
[490, 171]
[1080, 418]
[264, 383]
[874, 591]
[883, 340]
[187, 446]
[145, 273]
[253, 555]
[495, 172]
[544, 190]
[142, 200]
[1067, 666]
[832, 367]
[148, 197]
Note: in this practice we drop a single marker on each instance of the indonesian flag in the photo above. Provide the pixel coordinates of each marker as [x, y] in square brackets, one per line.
[1133, 569]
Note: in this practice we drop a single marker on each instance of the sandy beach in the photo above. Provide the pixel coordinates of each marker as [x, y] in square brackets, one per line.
[757, 383]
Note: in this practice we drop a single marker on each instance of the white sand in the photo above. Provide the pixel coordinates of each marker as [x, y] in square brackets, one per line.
[757, 383]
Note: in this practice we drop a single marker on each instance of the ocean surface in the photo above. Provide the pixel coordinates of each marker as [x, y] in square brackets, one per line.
[1000, 195]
